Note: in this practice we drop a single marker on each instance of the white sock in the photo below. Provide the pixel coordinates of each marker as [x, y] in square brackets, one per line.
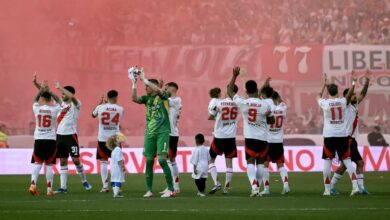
[251, 172]
[175, 172]
[80, 171]
[104, 173]
[35, 174]
[49, 176]
[214, 174]
[351, 172]
[259, 173]
[360, 180]
[266, 178]
[284, 176]
[115, 190]
[335, 179]
[64, 176]
[327, 174]
[229, 175]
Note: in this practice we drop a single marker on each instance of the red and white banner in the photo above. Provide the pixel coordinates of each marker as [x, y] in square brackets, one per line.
[297, 159]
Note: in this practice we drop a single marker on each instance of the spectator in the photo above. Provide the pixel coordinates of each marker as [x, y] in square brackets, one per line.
[3, 136]
[375, 137]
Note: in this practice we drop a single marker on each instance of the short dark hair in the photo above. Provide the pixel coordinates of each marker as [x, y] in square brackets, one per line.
[46, 96]
[173, 84]
[332, 89]
[154, 81]
[275, 95]
[251, 87]
[215, 92]
[267, 91]
[235, 88]
[112, 94]
[70, 89]
[199, 139]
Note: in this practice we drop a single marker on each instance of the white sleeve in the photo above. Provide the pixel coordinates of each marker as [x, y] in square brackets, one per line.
[78, 106]
[213, 106]
[194, 157]
[343, 102]
[119, 155]
[96, 111]
[175, 103]
[321, 103]
[35, 107]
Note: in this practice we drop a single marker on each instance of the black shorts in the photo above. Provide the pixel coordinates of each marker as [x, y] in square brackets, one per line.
[44, 151]
[275, 152]
[67, 144]
[225, 146]
[336, 144]
[102, 152]
[255, 148]
[355, 154]
[172, 151]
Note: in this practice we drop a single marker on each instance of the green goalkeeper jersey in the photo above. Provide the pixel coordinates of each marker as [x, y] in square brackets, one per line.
[157, 117]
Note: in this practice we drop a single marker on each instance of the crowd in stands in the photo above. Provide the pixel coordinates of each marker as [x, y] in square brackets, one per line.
[226, 22]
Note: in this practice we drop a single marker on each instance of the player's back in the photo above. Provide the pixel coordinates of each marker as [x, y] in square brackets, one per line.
[67, 118]
[109, 116]
[334, 117]
[226, 119]
[351, 120]
[275, 130]
[254, 113]
[45, 121]
[174, 114]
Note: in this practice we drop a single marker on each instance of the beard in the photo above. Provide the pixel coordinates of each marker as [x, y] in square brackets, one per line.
[354, 102]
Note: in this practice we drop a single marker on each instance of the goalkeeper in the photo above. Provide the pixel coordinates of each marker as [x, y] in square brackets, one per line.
[156, 142]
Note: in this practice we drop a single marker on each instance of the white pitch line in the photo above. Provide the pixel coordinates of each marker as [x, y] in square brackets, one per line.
[193, 210]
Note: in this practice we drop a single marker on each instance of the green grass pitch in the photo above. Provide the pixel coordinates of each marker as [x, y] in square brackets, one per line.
[304, 202]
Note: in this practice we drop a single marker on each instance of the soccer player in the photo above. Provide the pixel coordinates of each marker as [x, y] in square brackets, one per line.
[275, 144]
[200, 159]
[157, 129]
[255, 113]
[45, 136]
[265, 94]
[67, 141]
[225, 128]
[335, 134]
[117, 165]
[174, 115]
[352, 119]
[109, 115]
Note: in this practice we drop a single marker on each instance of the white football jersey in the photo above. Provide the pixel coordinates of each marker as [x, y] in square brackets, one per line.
[117, 174]
[213, 106]
[110, 116]
[225, 118]
[271, 103]
[45, 121]
[275, 131]
[67, 118]
[254, 113]
[174, 114]
[200, 158]
[334, 117]
[352, 119]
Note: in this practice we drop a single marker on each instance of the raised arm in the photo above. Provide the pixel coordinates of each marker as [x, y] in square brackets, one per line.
[352, 89]
[148, 83]
[133, 77]
[236, 72]
[35, 81]
[66, 92]
[321, 93]
[101, 101]
[266, 83]
[363, 93]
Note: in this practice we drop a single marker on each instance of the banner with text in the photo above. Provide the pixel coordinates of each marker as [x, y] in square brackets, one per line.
[297, 159]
